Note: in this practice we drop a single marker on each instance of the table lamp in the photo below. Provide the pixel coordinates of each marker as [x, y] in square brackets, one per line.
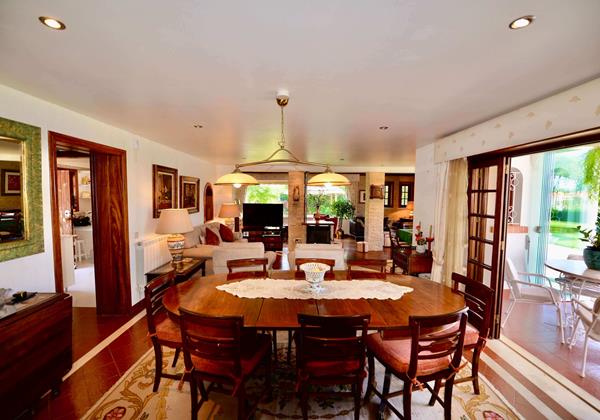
[231, 211]
[175, 222]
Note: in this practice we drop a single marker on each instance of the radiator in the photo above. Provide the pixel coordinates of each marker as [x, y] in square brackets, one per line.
[150, 254]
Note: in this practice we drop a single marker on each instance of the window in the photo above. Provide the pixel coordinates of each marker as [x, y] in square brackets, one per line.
[268, 194]
[388, 194]
[324, 197]
[404, 195]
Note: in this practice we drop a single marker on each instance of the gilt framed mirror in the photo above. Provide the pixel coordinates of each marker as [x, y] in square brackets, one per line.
[21, 220]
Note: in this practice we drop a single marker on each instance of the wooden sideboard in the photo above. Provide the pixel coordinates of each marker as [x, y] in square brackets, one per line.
[411, 262]
[35, 350]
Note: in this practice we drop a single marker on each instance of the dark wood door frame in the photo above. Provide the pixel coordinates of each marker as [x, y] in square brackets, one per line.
[56, 140]
[578, 138]
[209, 209]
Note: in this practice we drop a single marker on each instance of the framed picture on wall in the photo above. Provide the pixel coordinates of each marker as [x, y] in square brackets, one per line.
[164, 189]
[189, 193]
[11, 182]
[362, 197]
[377, 192]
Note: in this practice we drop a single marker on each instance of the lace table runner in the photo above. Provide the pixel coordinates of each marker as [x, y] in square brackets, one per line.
[299, 289]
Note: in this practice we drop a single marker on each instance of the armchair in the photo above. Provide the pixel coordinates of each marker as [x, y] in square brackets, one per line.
[532, 293]
[590, 317]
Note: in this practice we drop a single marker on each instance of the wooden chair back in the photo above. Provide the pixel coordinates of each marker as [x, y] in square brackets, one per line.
[299, 274]
[247, 263]
[332, 338]
[215, 339]
[153, 294]
[442, 342]
[373, 264]
[479, 299]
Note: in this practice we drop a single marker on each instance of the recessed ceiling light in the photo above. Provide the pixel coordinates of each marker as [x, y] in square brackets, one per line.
[198, 126]
[52, 23]
[521, 22]
[383, 127]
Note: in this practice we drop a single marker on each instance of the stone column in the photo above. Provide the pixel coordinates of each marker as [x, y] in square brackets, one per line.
[296, 229]
[374, 213]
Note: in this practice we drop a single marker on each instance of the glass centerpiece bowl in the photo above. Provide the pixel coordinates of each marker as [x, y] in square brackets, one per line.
[315, 275]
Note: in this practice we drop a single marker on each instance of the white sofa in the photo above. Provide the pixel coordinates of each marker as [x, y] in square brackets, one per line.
[333, 251]
[195, 245]
[236, 250]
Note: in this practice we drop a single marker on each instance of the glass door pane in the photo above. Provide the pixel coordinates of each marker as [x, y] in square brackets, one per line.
[486, 208]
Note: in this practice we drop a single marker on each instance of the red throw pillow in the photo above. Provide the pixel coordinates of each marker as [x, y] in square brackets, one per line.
[226, 233]
[212, 238]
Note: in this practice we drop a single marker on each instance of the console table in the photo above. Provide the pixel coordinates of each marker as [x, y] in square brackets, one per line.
[35, 350]
[411, 262]
[185, 270]
[318, 232]
[272, 238]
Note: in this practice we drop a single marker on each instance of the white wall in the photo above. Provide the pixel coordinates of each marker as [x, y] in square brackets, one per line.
[424, 186]
[572, 110]
[36, 272]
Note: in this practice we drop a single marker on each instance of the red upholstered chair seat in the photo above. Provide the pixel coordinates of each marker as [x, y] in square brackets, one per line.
[254, 349]
[167, 330]
[471, 335]
[331, 368]
[396, 355]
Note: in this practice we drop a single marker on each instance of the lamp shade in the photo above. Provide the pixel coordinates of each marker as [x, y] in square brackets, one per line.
[229, 211]
[174, 221]
[328, 178]
[236, 178]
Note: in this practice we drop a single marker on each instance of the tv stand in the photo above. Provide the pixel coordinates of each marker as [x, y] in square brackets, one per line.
[270, 236]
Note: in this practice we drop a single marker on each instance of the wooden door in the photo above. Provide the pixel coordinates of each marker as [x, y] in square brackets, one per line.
[65, 207]
[111, 233]
[487, 228]
[209, 209]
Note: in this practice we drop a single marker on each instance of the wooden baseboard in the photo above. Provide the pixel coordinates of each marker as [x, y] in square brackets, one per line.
[137, 308]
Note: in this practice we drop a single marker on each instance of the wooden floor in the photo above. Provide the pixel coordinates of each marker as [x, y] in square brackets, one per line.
[532, 327]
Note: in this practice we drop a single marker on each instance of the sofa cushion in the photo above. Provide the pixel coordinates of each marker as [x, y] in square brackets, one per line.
[212, 238]
[226, 233]
[200, 251]
[191, 239]
[210, 225]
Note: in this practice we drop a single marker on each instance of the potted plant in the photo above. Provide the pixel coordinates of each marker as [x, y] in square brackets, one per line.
[343, 209]
[591, 179]
[316, 201]
[421, 241]
[591, 254]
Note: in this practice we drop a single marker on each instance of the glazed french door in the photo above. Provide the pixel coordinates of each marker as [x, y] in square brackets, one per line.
[486, 226]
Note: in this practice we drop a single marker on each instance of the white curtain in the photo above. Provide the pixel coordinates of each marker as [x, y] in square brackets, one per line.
[450, 244]
[440, 220]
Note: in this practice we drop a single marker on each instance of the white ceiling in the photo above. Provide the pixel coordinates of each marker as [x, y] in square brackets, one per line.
[424, 68]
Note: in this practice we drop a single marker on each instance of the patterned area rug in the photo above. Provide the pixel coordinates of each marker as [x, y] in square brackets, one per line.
[132, 398]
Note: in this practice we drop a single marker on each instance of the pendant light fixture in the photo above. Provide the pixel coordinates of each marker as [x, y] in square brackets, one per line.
[237, 178]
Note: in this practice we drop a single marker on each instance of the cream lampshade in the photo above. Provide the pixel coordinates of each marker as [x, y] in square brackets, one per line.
[175, 222]
[231, 211]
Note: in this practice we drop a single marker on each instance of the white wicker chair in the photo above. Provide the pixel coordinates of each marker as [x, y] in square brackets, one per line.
[590, 317]
[532, 293]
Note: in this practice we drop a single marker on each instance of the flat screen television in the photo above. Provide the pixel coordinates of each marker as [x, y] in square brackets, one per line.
[261, 215]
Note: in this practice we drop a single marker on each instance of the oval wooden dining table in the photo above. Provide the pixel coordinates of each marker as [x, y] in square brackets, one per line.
[199, 294]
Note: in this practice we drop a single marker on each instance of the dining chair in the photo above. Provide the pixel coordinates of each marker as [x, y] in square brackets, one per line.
[299, 274]
[250, 264]
[218, 351]
[371, 269]
[480, 300]
[589, 316]
[532, 293]
[162, 330]
[433, 353]
[330, 352]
